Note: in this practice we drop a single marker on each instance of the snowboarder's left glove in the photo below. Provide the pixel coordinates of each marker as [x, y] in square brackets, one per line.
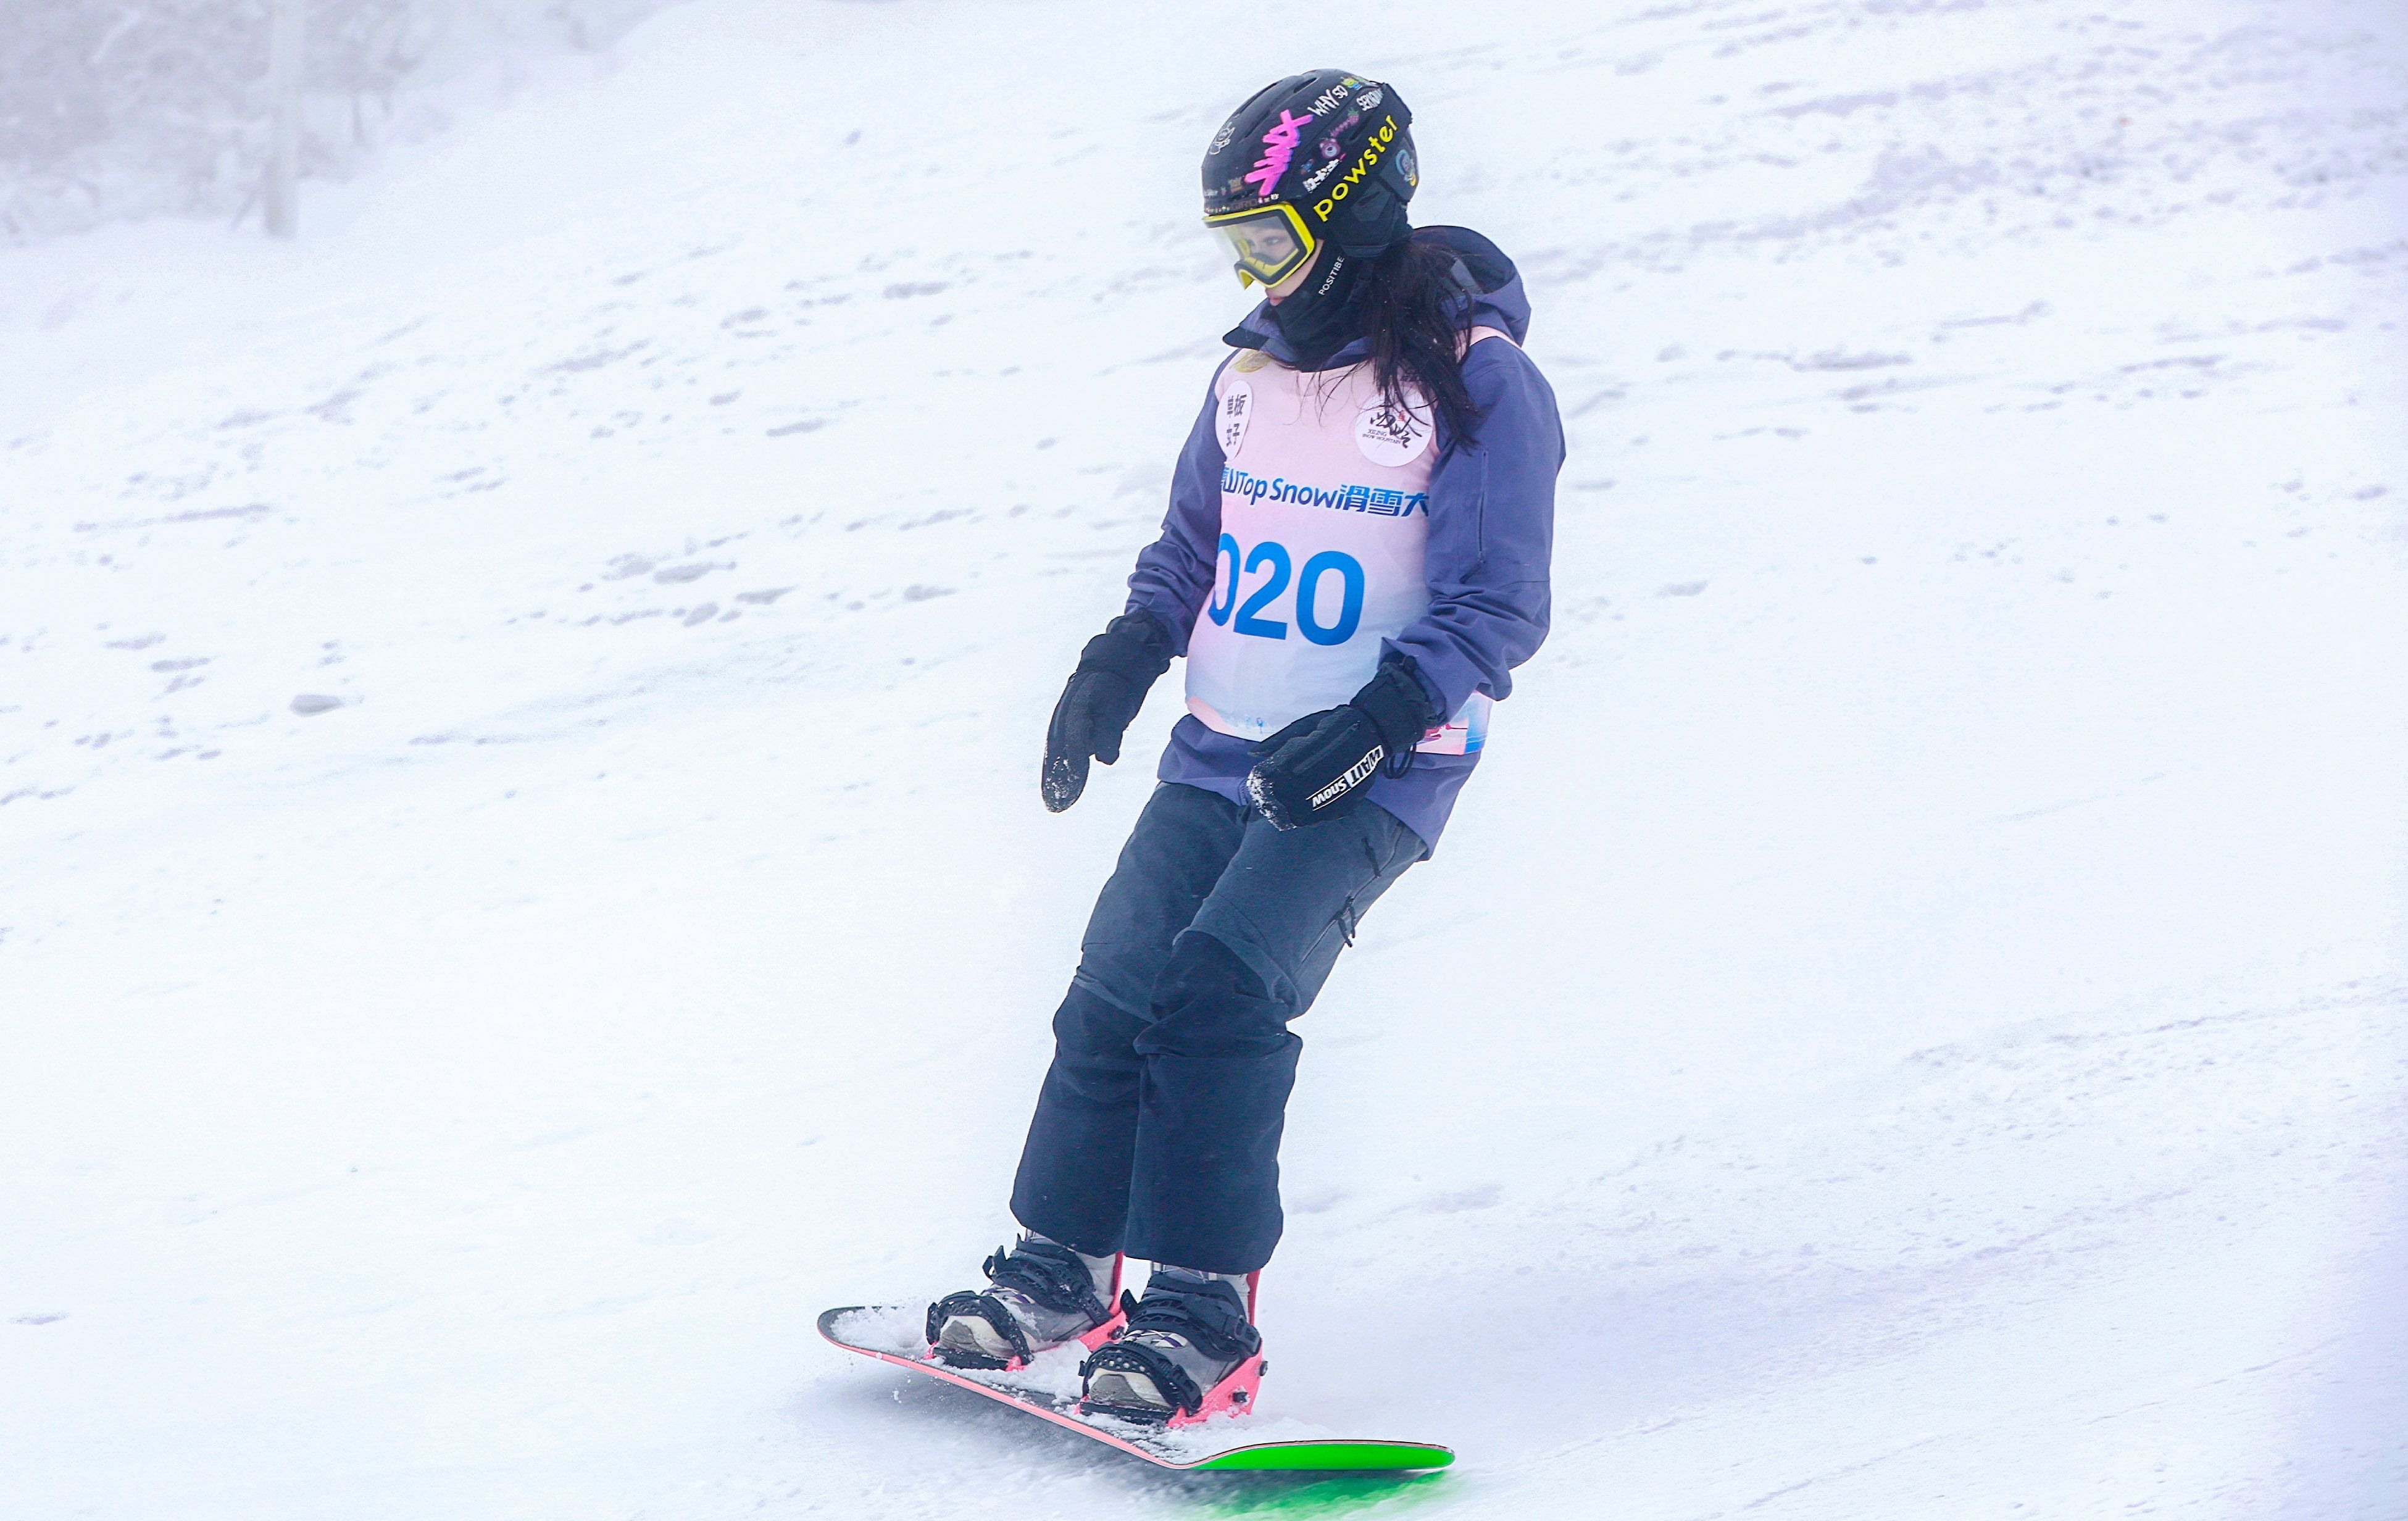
[1319, 766]
[1103, 695]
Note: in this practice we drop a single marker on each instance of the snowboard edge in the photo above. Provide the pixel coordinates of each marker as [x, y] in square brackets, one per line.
[1324, 1456]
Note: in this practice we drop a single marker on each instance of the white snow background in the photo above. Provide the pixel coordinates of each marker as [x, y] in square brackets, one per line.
[521, 878]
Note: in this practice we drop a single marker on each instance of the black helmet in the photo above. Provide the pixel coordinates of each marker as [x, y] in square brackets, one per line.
[1325, 156]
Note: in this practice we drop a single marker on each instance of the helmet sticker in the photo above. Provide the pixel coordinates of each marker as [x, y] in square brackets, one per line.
[1333, 97]
[1332, 151]
[1279, 147]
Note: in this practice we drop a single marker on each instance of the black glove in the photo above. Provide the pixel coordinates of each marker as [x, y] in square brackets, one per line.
[1319, 766]
[1103, 695]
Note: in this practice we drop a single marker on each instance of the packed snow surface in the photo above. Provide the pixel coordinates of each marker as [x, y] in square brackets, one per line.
[521, 878]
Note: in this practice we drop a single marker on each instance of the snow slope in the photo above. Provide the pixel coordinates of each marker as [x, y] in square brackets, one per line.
[521, 878]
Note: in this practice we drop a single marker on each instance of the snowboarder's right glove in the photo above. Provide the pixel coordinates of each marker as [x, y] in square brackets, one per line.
[1319, 766]
[1103, 695]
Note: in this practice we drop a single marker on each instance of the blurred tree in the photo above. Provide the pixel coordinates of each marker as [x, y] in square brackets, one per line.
[111, 109]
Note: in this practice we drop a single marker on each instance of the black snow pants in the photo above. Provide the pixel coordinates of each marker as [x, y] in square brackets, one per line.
[1157, 1129]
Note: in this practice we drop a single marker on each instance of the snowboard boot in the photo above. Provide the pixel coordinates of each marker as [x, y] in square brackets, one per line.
[1044, 1294]
[1188, 1351]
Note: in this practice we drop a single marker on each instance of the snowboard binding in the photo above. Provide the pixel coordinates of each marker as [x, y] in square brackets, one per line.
[1158, 1347]
[1052, 1285]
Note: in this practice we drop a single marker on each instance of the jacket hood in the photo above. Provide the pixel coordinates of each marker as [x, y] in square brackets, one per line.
[1495, 297]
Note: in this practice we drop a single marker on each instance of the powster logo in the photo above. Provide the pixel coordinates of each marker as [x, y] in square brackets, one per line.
[1371, 156]
[1378, 501]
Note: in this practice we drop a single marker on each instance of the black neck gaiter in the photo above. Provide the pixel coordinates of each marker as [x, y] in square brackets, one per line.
[1325, 314]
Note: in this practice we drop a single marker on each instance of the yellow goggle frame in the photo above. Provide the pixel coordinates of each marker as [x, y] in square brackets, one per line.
[1251, 266]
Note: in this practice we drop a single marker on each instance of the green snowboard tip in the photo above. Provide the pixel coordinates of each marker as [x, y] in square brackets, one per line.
[1325, 1456]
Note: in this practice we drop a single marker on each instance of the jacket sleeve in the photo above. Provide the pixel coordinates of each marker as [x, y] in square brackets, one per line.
[1491, 515]
[1174, 573]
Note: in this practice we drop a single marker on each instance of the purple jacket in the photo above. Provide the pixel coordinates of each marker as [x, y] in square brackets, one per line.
[1492, 503]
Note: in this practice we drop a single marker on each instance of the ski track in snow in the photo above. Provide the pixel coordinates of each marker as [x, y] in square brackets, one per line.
[518, 731]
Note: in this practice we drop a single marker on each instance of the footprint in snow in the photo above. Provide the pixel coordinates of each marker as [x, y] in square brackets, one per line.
[1482, 1198]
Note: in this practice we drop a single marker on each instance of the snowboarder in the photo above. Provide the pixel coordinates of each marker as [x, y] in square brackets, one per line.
[1355, 558]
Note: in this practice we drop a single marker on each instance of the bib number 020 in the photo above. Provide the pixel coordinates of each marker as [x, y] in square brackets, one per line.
[1312, 595]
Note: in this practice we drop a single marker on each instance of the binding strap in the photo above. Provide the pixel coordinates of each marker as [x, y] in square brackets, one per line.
[1206, 1320]
[1043, 1273]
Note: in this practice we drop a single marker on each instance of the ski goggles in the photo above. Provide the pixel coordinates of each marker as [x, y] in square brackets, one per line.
[1272, 241]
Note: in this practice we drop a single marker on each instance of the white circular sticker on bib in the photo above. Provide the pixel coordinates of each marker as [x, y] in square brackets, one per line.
[1392, 435]
[1237, 407]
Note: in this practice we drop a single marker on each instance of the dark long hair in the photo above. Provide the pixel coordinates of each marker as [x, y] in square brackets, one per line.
[1418, 315]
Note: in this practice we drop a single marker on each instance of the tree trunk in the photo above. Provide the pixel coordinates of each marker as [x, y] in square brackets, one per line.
[284, 42]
